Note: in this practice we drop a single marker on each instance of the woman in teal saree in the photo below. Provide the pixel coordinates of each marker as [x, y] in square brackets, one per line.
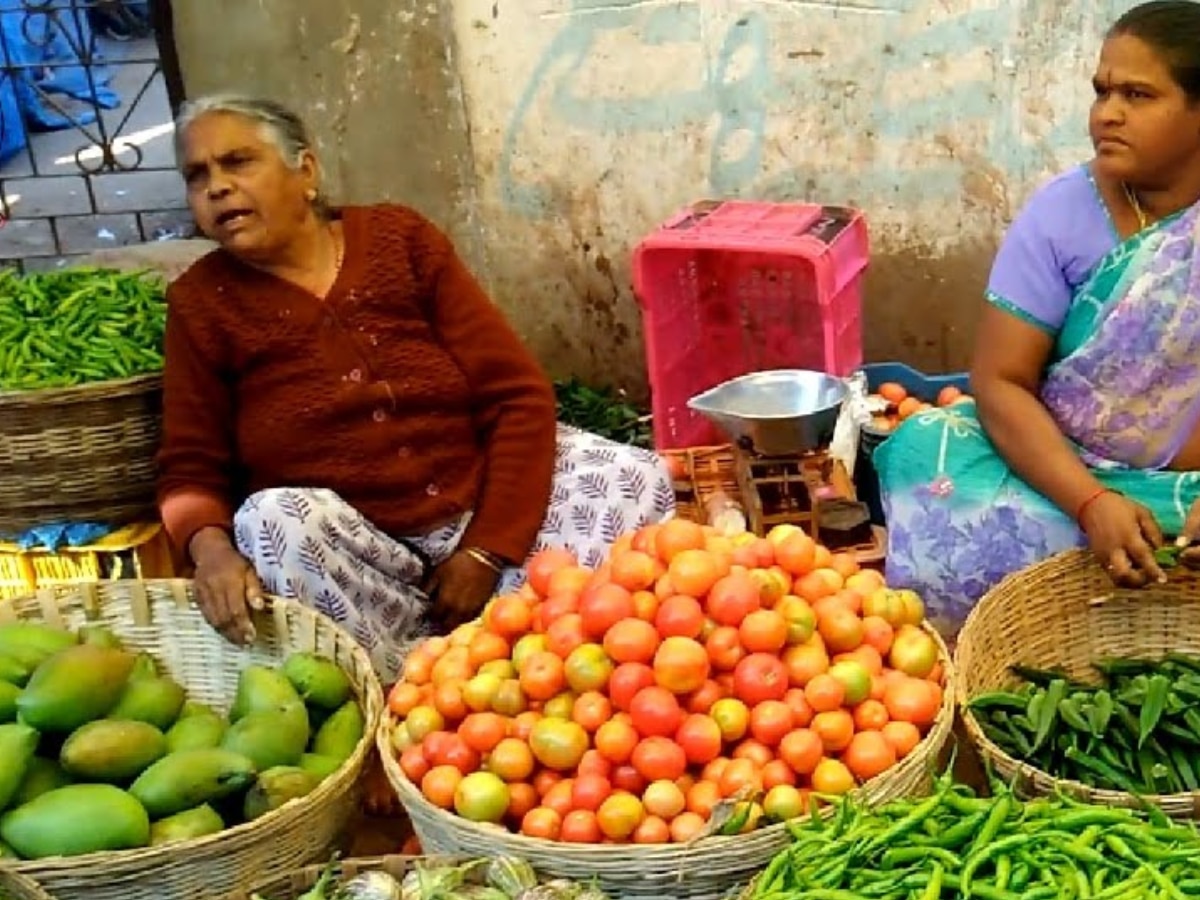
[1084, 430]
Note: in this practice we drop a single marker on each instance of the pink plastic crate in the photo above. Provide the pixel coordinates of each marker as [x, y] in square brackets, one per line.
[732, 287]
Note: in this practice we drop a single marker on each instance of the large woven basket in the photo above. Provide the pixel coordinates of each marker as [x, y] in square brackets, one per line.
[15, 886]
[704, 870]
[161, 617]
[79, 454]
[1065, 612]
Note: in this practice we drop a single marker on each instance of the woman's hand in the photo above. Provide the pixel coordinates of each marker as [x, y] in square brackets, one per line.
[459, 588]
[226, 585]
[1124, 536]
[1189, 554]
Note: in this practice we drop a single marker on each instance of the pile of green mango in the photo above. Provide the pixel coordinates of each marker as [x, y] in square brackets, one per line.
[99, 750]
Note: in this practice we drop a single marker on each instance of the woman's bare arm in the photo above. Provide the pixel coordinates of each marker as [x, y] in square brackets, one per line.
[1006, 373]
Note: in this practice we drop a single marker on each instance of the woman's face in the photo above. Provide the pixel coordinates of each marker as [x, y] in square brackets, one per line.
[241, 191]
[1144, 128]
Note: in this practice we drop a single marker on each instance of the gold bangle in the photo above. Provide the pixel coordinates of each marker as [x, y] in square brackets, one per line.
[484, 558]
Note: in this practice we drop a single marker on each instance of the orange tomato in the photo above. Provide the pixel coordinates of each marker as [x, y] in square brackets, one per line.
[615, 741]
[679, 616]
[542, 566]
[686, 827]
[543, 676]
[508, 617]
[777, 772]
[631, 640]
[482, 731]
[802, 749]
[512, 760]
[414, 764]
[634, 570]
[733, 598]
[763, 631]
[619, 816]
[522, 798]
[589, 791]
[825, 693]
[804, 663]
[542, 823]
[796, 553]
[675, 536]
[439, 785]
[587, 668]
[681, 665]
[656, 712]
[869, 754]
[558, 744]
[724, 646]
[759, 677]
[487, 647]
[870, 715]
[740, 775]
[802, 711]
[755, 751]
[835, 729]
[579, 826]
[702, 797]
[664, 799]
[657, 758]
[770, 721]
[903, 736]
[625, 682]
[913, 700]
[840, 628]
[402, 698]
[700, 737]
[593, 763]
[603, 608]
[832, 777]
[564, 634]
[591, 710]
[653, 830]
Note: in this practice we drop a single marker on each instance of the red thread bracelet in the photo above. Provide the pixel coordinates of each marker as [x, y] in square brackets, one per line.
[1088, 502]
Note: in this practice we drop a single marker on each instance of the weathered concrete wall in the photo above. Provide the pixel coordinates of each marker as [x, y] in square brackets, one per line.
[557, 132]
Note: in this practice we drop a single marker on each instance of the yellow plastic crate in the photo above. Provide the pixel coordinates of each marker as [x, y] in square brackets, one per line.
[24, 571]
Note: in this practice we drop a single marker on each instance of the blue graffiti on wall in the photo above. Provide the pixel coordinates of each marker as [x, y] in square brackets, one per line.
[739, 90]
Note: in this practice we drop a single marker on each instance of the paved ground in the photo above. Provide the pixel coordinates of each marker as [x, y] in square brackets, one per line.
[48, 194]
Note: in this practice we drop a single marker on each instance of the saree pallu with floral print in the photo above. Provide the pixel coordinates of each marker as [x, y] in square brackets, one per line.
[1124, 388]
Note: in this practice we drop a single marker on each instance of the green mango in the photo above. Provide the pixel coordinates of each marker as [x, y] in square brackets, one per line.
[275, 787]
[112, 750]
[189, 778]
[186, 826]
[318, 681]
[73, 687]
[18, 743]
[154, 700]
[339, 737]
[33, 638]
[196, 732]
[270, 737]
[74, 820]
[41, 776]
[8, 701]
[261, 688]
[196, 708]
[321, 766]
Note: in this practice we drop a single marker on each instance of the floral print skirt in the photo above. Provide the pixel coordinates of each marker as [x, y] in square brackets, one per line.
[959, 519]
[309, 544]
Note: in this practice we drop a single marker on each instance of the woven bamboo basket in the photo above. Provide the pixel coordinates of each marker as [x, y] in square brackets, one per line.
[704, 870]
[79, 454]
[161, 618]
[1065, 612]
[15, 886]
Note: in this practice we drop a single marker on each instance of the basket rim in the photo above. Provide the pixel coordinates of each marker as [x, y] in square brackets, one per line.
[81, 393]
[924, 753]
[372, 702]
[996, 756]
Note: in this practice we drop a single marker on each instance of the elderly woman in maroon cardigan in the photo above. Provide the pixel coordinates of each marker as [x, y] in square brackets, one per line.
[348, 419]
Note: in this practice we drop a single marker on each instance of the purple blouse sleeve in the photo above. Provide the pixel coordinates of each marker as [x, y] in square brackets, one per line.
[1028, 279]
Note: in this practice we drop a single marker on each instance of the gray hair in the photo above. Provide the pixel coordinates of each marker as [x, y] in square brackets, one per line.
[278, 125]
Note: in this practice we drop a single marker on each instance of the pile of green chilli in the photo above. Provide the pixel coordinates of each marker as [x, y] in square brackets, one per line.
[79, 326]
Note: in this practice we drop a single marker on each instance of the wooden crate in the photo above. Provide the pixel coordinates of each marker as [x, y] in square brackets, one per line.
[771, 491]
[136, 551]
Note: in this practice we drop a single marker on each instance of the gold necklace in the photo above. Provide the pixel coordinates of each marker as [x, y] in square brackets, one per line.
[1136, 205]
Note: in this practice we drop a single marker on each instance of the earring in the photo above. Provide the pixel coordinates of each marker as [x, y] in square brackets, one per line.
[310, 195]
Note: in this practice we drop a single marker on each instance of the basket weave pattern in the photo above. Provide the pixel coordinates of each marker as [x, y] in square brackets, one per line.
[1065, 612]
[80, 454]
[704, 870]
[290, 885]
[161, 618]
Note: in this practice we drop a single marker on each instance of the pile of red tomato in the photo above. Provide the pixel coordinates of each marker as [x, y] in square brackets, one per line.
[623, 705]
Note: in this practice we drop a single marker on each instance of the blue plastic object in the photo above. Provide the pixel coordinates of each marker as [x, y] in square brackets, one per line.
[55, 536]
[919, 385]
